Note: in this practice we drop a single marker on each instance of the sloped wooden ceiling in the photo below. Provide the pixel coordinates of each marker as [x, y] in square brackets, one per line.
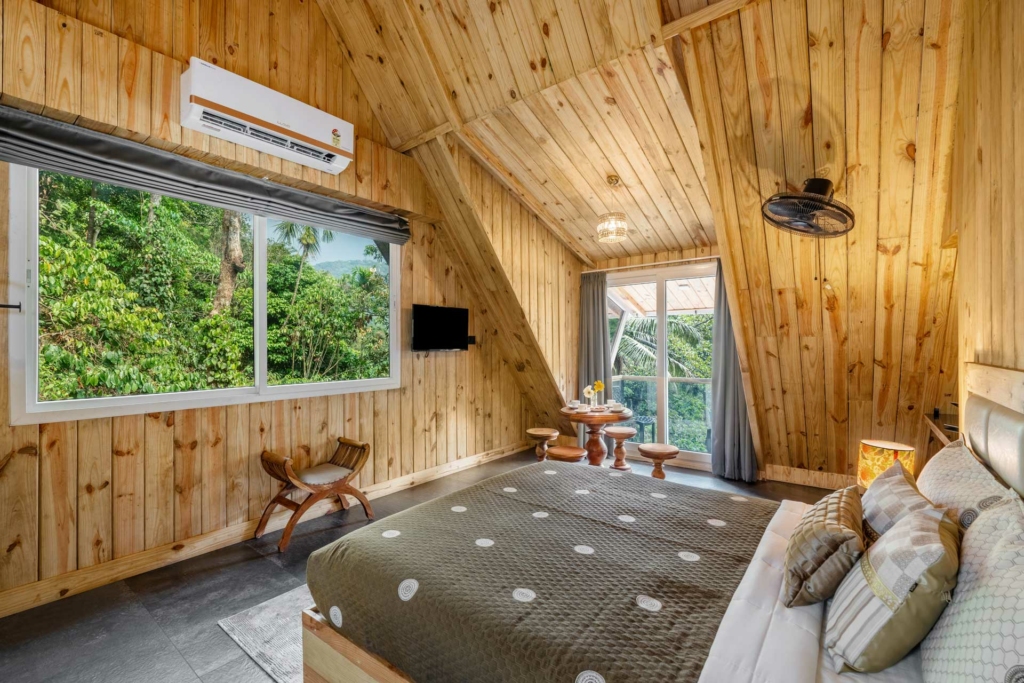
[579, 109]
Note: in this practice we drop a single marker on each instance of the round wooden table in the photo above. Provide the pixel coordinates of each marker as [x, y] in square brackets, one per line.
[595, 423]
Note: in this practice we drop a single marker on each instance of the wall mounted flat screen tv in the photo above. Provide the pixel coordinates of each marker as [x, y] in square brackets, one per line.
[439, 328]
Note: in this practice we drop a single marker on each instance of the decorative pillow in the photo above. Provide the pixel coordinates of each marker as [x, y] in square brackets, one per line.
[823, 548]
[956, 480]
[980, 636]
[891, 497]
[887, 603]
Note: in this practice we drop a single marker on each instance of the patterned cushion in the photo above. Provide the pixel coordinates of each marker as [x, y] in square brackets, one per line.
[887, 604]
[980, 636]
[956, 480]
[891, 497]
[823, 548]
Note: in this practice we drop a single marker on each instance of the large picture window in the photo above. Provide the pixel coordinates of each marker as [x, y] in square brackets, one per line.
[134, 302]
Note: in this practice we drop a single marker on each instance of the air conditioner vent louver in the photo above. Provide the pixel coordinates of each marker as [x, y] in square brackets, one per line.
[312, 152]
[223, 122]
[267, 137]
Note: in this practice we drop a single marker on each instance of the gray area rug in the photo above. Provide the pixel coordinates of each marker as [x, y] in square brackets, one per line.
[271, 633]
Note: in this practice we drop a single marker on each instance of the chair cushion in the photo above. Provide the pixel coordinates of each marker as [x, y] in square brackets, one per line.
[892, 496]
[957, 480]
[824, 547]
[323, 474]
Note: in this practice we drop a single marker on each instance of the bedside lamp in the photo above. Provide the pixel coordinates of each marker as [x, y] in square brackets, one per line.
[878, 456]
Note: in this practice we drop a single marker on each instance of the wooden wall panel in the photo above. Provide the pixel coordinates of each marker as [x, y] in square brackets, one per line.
[987, 215]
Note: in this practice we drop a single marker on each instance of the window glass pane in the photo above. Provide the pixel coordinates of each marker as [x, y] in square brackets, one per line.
[328, 296]
[690, 305]
[633, 326]
[140, 294]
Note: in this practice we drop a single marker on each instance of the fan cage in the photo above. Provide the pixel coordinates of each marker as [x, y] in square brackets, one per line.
[814, 223]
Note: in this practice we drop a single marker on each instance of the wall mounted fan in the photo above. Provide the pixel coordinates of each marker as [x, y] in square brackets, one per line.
[812, 212]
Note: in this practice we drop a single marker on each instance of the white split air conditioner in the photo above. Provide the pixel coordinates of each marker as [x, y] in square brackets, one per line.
[222, 104]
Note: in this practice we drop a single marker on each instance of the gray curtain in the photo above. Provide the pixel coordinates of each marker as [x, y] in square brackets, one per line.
[595, 345]
[732, 447]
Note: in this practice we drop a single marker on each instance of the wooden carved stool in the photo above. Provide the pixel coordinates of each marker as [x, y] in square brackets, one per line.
[658, 453]
[542, 435]
[620, 435]
[566, 453]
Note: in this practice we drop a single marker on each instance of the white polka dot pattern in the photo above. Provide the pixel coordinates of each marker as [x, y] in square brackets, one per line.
[659, 496]
[688, 556]
[590, 677]
[509, 489]
[484, 542]
[335, 616]
[459, 508]
[523, 595]
[739, 499]
[615, 474]
[550, 472]
[582, 492]
[540, 515]
[648, 603]
[627, 518]
[584, 550]
[407, 589]
[391, 533]
[716, 522]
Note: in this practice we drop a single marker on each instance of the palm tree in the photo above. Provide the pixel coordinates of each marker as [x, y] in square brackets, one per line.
[309, 239]
[638, 350]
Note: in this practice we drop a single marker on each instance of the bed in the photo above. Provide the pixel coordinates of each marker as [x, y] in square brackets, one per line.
[567, 573]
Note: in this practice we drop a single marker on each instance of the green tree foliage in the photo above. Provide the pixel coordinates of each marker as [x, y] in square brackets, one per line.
[126, 289]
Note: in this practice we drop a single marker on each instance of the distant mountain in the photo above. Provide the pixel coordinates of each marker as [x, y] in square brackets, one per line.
[339, 268]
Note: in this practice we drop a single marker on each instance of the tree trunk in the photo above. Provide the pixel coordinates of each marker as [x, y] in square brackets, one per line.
[295, 292]
[154, 201]
[231, 263]
[93, 231]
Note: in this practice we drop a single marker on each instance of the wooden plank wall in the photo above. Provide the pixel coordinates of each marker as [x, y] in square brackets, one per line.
[90, 502]
[544, 273]
[988, 180]
[844, 336]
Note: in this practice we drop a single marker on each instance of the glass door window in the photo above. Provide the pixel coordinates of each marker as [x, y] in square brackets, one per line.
[660, 323]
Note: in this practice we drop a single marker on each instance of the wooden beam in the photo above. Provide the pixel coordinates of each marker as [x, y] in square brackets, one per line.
[488, 280]
[425, 136]
[703, 16]
[497, 168]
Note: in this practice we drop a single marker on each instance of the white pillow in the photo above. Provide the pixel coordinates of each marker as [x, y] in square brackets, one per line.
[892, 496]
[955, 479]
[980, 636]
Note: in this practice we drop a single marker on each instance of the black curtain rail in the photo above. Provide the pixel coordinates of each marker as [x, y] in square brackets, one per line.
[39, 142]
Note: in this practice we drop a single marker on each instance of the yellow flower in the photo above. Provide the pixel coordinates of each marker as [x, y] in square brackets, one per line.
[598, 385]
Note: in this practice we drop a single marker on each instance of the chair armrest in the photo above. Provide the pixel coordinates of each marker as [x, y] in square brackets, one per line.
[278, 466]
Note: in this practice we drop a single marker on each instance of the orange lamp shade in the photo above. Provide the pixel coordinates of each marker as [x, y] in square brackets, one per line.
[878, 456]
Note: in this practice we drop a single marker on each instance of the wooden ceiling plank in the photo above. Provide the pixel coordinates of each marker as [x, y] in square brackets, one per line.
[434, 38]
[751, 263]
[703, 16]
[599, 30]
[648, 96]
[553, 37]
[497, 54]
[648, 21]
[924, 315]
[486, 277]
[828, 101]
[624, 31]
[473, 65]
[901, 71]
[533, 43]
[576, 38]
[492, 163]
[524, 67]
[617, 78]
[631, 152]
[701, 74]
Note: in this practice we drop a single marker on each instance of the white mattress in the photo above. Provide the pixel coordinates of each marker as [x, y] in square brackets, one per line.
[762, 641]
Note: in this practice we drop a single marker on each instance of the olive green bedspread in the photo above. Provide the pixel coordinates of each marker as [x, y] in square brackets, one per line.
[552, 572]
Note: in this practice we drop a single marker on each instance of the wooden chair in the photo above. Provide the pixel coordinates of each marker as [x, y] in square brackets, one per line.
[620, 435]
[658, 453]
[319, 481]
[542, 435]
[566, 453]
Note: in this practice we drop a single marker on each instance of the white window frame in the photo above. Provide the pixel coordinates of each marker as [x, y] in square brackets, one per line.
[26, 409]
[659, 276]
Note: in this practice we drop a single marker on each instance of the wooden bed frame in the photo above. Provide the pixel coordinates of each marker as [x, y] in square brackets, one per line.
[328, 657]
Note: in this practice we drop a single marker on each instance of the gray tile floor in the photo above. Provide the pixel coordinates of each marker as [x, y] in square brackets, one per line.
[162, 626]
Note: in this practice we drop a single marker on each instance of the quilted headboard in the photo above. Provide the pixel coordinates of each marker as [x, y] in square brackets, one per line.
[993, 420]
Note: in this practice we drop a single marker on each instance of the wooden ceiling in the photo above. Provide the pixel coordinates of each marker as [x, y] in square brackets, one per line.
[574, 105]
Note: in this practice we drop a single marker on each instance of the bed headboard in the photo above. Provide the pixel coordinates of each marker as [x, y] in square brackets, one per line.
[993, 420]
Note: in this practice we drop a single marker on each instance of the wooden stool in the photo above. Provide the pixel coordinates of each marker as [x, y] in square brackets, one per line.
[566, 453]
[542, 435]
[621, 435]
[658, 453]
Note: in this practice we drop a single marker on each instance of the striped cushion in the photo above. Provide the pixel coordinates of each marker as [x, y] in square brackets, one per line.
[891, 497]
[889, 601]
